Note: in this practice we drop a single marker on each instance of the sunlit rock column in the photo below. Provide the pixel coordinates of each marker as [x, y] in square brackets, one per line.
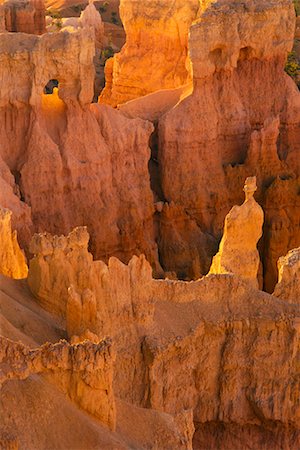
[238, 253]
[12, 260]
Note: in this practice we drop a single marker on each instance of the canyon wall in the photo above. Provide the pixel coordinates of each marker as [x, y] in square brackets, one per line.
[24, 16]
[243, 119]
[95, 299]
[95, 165]
[102, 198]
[288, 284]
[155, 55]
[180, 346]
[83, 371]
[93, 169]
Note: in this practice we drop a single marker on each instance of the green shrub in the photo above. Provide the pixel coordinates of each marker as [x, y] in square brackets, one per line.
[107, 53]
[56, 18]
[292, 67]
[103, 7]
[114, 18]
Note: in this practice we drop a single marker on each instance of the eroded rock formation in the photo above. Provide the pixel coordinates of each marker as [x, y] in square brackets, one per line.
[24, 16]
[205, 364]
[242, 230]
[191, 335]
[12, 259]
[288, 286]
[209, 142]
[91, 18]
[94, 167]
[155, 55]
[83, 371]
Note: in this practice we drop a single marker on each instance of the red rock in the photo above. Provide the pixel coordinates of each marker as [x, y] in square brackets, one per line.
[25, 16]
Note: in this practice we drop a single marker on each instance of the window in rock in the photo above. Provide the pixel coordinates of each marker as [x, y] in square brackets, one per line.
[48, 89]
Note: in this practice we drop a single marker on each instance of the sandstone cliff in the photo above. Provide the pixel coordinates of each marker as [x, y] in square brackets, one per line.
[38, 383]
[155, 55]
[83, 371]
[186, 349]
[93, 169]
[220, 132]
[152, 363]
[208, 143]
[167, 333]
[24, 16]
[288, 286]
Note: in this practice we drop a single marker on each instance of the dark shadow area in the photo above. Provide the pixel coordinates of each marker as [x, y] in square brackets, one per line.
[48, 89]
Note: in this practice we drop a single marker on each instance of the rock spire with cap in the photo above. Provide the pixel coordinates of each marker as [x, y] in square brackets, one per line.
[243, 228]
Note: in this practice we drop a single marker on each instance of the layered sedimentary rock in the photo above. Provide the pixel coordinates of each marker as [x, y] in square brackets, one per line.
[24, 16]
[12, 260]
[208, 142]
[83, 371]
[155, 55]
[236, 405]
[96, 298]
[70, 377]
[288, 286]
[184, 346]
[93, 169]
[205, 364]
[242, 230]
[282, 230]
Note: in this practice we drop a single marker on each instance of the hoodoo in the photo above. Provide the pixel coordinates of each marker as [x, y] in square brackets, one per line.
[144, 302]
[243, 228]
[12, 259]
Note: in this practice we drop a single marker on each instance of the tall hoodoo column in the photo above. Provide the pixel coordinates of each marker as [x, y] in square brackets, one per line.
[238, 253]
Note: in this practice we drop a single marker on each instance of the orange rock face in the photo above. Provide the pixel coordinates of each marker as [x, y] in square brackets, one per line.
[179, 344]
[25, 16]
[288, 286]
[234, 120]
[155, 55]
[97, 177]
[12, 260]
[238, 248]
[96, 351]
[84, 371]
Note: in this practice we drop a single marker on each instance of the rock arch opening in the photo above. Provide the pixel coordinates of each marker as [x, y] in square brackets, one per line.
[48, 89]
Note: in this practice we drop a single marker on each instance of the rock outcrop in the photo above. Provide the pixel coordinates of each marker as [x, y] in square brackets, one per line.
[91, 18]
[186, 349]
[93, 169]
[84, 371]
[155, 55]
[208, 141]
[12, 259]
[181, 344]
[238, 252]
[93, 297]
[24, 16]
[48, 383]
[233, 404]
[288, 286]
[196, 143]
[156, 363]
